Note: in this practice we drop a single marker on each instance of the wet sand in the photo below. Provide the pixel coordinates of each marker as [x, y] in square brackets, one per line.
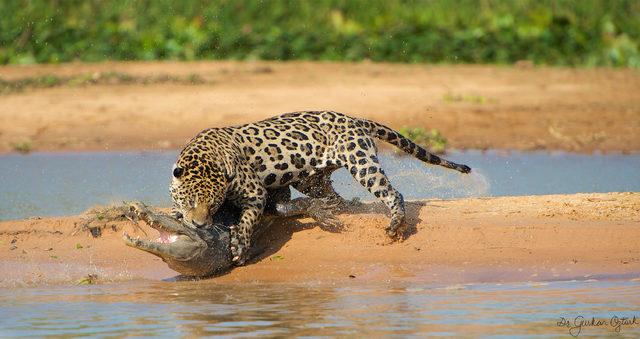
[507, 239]
[475, 107]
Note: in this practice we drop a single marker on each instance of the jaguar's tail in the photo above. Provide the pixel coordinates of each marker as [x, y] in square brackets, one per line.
[387, 134]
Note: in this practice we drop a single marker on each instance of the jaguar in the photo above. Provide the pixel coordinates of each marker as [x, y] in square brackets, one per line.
[245, 164]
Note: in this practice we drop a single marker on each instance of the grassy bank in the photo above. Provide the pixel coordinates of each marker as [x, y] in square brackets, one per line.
[585, 33]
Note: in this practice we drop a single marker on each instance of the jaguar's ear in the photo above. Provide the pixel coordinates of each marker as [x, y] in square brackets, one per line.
[228, 168]
[229, 174]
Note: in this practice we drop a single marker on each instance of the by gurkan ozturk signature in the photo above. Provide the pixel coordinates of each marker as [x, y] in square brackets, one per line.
[576, 324]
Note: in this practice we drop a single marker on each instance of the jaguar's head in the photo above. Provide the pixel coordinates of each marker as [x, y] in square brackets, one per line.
[198, 187]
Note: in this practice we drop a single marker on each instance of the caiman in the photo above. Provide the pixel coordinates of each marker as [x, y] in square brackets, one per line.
[205, 252]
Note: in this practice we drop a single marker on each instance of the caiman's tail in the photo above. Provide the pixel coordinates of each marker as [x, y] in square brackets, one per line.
[387, 134]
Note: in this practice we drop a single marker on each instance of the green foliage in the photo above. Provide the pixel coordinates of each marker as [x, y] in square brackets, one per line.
[89, 279]
[474, 99]
[111, 78]
[24, 147]
[434, 141]
[554, 32]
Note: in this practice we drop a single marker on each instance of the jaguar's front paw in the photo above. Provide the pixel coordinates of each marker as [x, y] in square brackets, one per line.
[239, 254]
[240, 259]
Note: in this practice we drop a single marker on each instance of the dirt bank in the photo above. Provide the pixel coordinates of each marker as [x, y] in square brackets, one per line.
[529, 238]
[474, 106]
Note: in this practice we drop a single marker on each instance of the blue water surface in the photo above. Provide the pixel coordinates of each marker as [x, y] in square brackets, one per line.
[53, 184]
[206, 308]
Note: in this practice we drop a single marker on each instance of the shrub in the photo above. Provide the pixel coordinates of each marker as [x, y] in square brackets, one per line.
[586, 32]
[434, 141]
[23, 147]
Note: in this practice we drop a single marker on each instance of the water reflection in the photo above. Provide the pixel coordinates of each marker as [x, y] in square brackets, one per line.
[207, 308]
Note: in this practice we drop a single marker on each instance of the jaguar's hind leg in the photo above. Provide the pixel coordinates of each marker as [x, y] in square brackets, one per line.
[364, 166]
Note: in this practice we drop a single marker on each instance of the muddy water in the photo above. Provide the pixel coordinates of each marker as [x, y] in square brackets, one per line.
[205, 308]
[45, 184]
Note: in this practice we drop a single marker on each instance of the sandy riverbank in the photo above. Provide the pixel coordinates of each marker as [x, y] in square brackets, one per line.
[530, 238]
[475, 107]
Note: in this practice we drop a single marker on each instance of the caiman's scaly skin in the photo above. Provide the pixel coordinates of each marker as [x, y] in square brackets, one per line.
[197, 252]
[204, 251]
[245, 164]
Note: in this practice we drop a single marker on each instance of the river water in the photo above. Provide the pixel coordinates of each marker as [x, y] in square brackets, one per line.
[50, 184]
[204, 308]
[59, 184]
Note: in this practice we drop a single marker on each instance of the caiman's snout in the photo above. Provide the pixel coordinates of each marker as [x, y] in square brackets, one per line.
[186, 249]
[175, 247]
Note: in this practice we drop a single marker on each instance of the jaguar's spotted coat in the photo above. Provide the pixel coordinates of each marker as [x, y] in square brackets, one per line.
[245, 164]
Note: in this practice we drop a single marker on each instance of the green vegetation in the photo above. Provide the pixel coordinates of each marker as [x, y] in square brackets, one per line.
[473, 99]
[23, 147]
[434, 141]
[89, 279]
[554, 32]
[49, 80]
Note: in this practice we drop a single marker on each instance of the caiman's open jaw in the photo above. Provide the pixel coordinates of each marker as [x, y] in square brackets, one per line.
[187, 250]
[205, 251]
[169, 246]
[166, 237]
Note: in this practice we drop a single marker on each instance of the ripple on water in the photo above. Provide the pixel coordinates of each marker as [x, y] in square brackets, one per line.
[209, 308]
